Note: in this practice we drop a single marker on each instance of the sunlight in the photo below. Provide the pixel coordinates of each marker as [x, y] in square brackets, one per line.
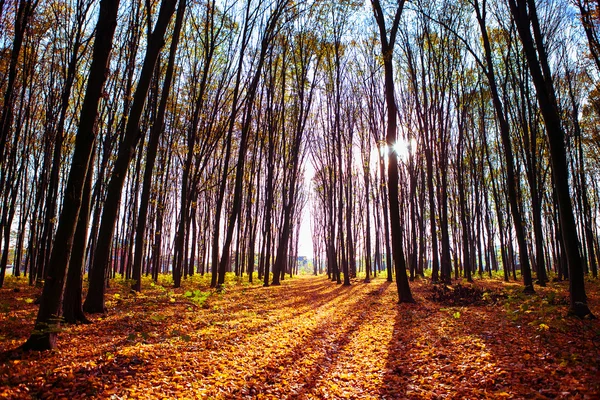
[403, 148]
[305, 244]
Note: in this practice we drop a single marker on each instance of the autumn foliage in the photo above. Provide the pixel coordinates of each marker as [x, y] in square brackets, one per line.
[309, 338]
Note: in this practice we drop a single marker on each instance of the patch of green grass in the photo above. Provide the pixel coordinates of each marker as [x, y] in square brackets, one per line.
[197, 296]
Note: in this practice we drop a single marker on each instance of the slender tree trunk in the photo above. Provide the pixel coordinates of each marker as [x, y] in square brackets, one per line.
[386, 219]
[43, 336]
[73, 304]
[267, 38]
[157, 129]
[24, 12]
[387, 47]
[511, 178]
[94, 302]
[525, 16]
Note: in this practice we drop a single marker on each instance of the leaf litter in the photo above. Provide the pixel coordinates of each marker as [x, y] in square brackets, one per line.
[310, 339]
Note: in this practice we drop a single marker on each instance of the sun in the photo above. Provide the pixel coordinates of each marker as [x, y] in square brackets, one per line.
[403, 148]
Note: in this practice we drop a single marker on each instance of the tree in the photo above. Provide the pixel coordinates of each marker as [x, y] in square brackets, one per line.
[94, 302]
[266, 39]
[155, 133]
[387, 47]
[588, 11]
[511, 178]
[525, 16]
[44, 333]
[302, 62]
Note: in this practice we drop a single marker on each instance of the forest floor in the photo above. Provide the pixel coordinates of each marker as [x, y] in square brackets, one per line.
[310, 339]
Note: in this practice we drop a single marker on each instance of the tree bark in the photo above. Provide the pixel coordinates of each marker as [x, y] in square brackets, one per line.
[525, 16]
[157, 130]
[94, 302]
[387, 47]
[44, 333]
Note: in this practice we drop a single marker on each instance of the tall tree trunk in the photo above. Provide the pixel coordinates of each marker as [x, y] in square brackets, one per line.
[525, 16]
[73, 303]
[386, 218]
[387, 47]
[24, 12]
[267, 38]
[157, 130]
[43, 336]
[94, 302]
[511, 178]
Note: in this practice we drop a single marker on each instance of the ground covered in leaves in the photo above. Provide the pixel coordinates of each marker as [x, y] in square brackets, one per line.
[310, 339]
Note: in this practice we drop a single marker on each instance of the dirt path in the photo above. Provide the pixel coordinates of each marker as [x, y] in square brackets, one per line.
[308, 339]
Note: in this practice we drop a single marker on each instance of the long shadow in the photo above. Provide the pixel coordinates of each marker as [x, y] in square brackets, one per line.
[231, 318]
[526, 361]
[91, 376]
[80, 377]
[295, 316]
[397, 373]
[435, 353]
[90, 380]
[271, 365]
[357, 318]
[272, 372]
[479, 352]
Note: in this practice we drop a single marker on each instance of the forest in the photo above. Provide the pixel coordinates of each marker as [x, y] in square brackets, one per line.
[217, 177]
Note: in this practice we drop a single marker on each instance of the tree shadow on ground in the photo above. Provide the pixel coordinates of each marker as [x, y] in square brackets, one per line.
[483, 351]
[396, 382]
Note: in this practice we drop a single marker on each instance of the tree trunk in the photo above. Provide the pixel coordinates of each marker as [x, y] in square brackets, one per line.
[43, 336]
[525, 15]
[511, 178]
[94, 302]
[72, 305]
[387, 47]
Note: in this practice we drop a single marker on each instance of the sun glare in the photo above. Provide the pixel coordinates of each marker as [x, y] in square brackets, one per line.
[403, 148]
